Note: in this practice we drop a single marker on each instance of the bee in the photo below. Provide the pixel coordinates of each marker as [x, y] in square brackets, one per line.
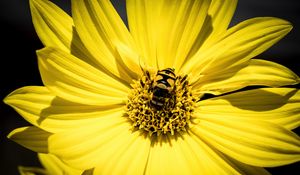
[163, 87]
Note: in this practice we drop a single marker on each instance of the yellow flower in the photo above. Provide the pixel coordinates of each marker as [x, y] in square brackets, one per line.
[52, 166]
[161, 97]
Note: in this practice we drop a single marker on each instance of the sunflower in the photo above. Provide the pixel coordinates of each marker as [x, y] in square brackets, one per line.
[52, 166]
[165, 95]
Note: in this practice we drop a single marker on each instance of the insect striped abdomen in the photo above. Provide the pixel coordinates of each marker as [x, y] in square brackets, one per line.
[163, 87]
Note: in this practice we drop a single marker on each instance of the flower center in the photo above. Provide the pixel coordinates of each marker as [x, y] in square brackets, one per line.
[161, 103]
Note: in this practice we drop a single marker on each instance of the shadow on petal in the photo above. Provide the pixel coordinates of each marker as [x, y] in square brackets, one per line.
[265, 100]
[62, 109]
[32, 138]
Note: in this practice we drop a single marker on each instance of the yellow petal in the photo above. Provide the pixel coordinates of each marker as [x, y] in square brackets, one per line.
[258, 72]
[233, 50]
[53, 25]
[247, 169]
[140, 25]
[129, 60]
[32, 138]
[216, 23]
[277, 105]
[93, 145]
[99, 26]
[74, 80]
[185, 154]
[53, 165]
[166, 158]
[43, 109]
[165, 30]
[31, 171]
[252, 142]
[55, 28]
[129, 158]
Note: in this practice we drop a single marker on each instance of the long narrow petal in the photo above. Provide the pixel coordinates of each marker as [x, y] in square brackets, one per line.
[74, 80]
[31, 137]
[53, 165]
[253, 142]
[238, 44]
[128, 159]
[31, 170]
[258, 72]
[140, 19]
[186, 154]
[109, 140]
[277, 105]
[55, 28]
[52, 24]
[216, 162]
[130, 60]
[247, 169]
[43, 109]
[166, 30]
[99, 26]
[166, 158]
[220, 13]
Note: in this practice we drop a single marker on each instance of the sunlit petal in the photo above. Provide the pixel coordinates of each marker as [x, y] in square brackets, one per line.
[215, 162]
[216, 23]
[53, 25]
[233, 50]
[43, 109]
[53, 165]
[55, 28]
[160, 28]
[277, 105]
[258, 72]
[108, 139]
[31, 137]
[130, 156]
[99, 26]
[247, 169]
[253, 142]
[74, 80]
[129, 60]
[172, 155]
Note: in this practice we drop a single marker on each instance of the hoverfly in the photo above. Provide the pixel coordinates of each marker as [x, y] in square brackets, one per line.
[163, 87]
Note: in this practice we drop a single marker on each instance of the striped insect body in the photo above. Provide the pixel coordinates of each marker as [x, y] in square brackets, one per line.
[163, 87]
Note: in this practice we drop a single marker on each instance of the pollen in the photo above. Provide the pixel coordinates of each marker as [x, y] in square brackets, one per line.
[174, 113]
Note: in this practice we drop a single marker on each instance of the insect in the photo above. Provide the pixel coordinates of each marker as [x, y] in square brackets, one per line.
[163, 87]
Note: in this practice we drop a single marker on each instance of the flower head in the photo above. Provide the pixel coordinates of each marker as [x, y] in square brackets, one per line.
[160, 97]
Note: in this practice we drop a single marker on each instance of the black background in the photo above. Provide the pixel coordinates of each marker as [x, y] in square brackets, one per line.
[19, 64]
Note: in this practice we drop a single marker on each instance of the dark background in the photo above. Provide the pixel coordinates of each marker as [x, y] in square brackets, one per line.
[19, 64]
